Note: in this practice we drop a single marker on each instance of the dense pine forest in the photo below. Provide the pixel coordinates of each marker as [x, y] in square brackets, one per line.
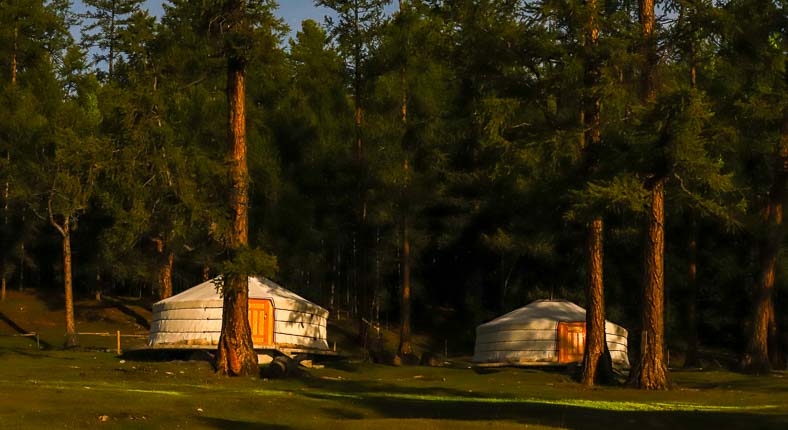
[425, 165]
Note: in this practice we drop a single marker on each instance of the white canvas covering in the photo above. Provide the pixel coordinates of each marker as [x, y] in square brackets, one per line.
[529, 335]
[194, 317]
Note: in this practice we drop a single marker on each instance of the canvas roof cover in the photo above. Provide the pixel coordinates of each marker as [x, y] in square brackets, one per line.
[207, 295]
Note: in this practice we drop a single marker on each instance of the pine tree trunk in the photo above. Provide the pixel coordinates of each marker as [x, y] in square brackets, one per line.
[164, 277]
[99, 286]
[776, 352]
[651, 371]
[236, 355]
[111, 56]
[648, 87]
[14, 53]
[596, 363]
[595, 307]
[71, 327]
[405, 346]
[757, 356]
[691, 359]
[363, 306]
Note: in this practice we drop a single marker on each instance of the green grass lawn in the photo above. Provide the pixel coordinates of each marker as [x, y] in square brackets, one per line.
[73, 389]
[52, 388]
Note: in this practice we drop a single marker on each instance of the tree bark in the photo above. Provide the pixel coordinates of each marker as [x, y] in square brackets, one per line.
[649, 49]
[757, 355]
[595, 362]
[595, 307]
[164, 277]
[71, 327]
[651, 371]
[65, 233]
[14, 52]
[111, 56]
[235, 355]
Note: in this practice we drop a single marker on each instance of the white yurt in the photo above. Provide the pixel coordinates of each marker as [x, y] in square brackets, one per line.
[279, 318]
[543, 332]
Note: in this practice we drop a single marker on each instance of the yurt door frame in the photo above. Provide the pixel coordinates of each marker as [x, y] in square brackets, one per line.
[261, 321]
[571, 341]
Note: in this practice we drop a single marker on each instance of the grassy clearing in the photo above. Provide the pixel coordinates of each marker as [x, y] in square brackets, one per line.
[52, 388]
[71, 389]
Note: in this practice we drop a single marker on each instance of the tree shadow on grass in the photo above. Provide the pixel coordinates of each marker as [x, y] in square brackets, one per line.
[139, 319]
[351, 388]
[34, 355]
[763, 383]
[225, 423]
[14, 326]
[441, 403]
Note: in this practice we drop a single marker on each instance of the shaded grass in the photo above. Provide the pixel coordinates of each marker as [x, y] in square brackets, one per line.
[76, 389]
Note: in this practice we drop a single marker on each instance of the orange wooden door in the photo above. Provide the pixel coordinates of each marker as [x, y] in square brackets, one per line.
[571, 341]
[261, 320]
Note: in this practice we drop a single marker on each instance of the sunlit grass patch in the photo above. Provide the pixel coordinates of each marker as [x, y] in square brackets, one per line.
[621, 406]
[104, 386]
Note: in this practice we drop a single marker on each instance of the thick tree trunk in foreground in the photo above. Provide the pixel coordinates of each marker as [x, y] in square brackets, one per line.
[651, 371]
[758, 354]
[595, 364]
[235, 355]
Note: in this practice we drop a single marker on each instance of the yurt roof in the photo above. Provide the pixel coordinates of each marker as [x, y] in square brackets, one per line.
[541, 313]
[207, 295]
